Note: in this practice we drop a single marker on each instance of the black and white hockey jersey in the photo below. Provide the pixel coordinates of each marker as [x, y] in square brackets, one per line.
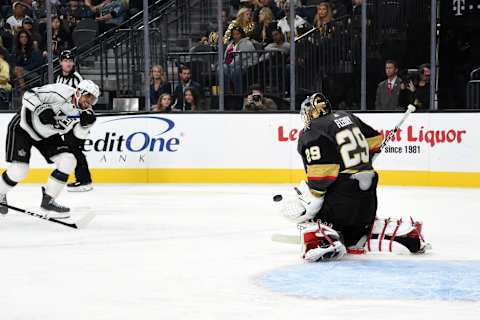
[57, 97]
[71, 80]
[338, 143]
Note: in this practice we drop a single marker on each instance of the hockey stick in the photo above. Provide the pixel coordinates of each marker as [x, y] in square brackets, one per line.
[410, 109]
[109, 114]
[75, 225]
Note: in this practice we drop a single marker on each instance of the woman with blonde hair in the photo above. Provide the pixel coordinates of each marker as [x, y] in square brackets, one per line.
[243, 20]
[164, 103]
[263, 31]
[323, 15]
[158, 84]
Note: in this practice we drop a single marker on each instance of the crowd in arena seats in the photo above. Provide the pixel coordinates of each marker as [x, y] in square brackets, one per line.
[23, 26]
[249, 26]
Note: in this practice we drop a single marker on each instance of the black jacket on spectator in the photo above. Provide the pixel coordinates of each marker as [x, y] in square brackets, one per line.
[179, 92]
[422, 97]
[28, 60]
[258, 33]
[7, 39]
[60, 41]
[155, 94]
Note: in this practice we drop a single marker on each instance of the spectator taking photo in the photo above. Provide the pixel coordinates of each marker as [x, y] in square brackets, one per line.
[256, 101]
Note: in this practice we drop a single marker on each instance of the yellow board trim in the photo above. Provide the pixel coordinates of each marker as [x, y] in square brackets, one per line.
[399, 178]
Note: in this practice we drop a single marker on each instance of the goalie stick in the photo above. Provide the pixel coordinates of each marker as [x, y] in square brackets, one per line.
[75, 225]
[410, 109]
[295, 239]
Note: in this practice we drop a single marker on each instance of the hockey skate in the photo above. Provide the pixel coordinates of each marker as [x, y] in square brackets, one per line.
[78, 186]
[53, 209]
[3, 200]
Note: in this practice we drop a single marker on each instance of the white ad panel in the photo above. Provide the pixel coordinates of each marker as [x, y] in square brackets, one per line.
[427, 141]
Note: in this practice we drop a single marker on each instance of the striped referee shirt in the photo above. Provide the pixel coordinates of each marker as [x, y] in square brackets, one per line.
[71, 80]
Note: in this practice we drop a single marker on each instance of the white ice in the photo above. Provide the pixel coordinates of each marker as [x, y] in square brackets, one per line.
[195, 252]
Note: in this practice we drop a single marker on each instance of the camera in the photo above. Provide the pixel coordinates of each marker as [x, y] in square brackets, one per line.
[257, 98]
[408, 76]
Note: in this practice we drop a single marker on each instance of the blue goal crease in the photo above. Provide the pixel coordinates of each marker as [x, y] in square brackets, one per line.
[378, 280]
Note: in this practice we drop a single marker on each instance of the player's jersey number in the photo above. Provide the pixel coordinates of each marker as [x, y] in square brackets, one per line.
[313, 153]
[353, 147]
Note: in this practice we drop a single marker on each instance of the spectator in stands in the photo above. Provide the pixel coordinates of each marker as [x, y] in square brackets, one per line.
[159, 84]
[5, 86]
[94, 5]
[235, 62]
[388, 91]
[201, 45]
[422, 89]
[339, 9]
[256, 101]
[225, 19]
[278, 43]
[277, 12]
[243, 20]
[61, 39]
[39, 15]
[74, 13]
[111, 13]
[213, 25]
[37, 39]
[301, 25]
[164, 103]
[6, 36]
[323, 17]
[193, 100]
[15, 21]
[26, 57]
[265, 26]
[185, 77]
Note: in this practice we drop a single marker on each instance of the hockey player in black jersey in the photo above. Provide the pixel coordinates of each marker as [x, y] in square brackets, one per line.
[40, 123]
[337, 204]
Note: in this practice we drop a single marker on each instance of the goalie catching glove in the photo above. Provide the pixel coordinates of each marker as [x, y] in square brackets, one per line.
[305, 207]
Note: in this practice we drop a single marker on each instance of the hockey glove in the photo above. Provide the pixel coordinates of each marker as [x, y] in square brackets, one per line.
[47, 116]
[305, 207]
[87, 117]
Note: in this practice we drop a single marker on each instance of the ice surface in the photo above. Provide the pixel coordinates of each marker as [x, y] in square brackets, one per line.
[201, 252]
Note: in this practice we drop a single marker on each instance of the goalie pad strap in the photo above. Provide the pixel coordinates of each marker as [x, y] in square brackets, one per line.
[399, 222]
[370, 237]
[382, 236]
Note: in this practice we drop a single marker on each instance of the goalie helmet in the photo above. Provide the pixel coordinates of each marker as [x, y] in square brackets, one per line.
[315, 106]
[88, 87]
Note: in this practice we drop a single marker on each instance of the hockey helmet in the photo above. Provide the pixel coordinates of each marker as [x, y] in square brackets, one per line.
[88, 87]
[66, 55]
[315, 106]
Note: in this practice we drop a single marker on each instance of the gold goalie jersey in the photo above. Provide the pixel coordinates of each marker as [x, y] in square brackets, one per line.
[334, 144]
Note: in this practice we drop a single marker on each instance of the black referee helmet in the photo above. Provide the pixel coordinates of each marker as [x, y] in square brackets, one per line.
[66, 55]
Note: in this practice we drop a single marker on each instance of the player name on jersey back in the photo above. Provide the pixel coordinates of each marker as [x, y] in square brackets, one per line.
[343, 122]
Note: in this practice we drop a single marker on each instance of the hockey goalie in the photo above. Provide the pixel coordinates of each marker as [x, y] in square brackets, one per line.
[336, 207]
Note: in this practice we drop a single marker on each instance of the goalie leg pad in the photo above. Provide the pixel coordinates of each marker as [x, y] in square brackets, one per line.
[321, 243]
[396, 236]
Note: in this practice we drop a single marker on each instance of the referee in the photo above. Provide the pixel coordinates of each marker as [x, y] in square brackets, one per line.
[70, 77]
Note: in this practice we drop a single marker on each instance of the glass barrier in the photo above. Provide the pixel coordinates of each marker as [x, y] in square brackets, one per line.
[363, 54]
